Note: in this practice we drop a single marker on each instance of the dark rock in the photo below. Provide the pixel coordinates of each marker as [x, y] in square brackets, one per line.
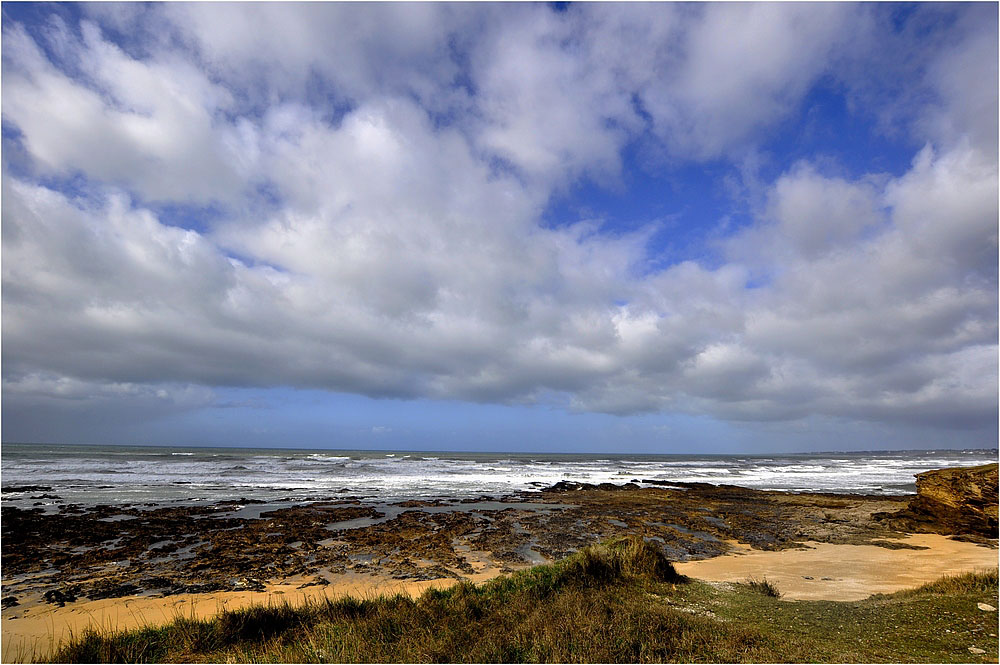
[568, 486]
[157, 582]
[319, 581]
[896, 545]
[59, 597]
[485, 498]
[9, 601]
[572, 486]
[975, 538]
[26, 488]
[611, 487]
[207, 587]
[112, 590]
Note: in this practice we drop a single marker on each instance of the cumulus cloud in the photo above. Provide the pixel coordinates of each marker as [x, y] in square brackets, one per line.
[152, 126]
[382, 174]
[354, 52]
[963, 107]
[745, 68]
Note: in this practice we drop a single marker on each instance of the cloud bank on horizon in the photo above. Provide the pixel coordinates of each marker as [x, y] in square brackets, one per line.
[747, 212]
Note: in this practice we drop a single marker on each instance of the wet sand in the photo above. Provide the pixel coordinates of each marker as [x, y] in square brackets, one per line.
[845, 572]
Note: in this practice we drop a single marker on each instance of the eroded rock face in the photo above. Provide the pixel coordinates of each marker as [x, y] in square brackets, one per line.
[961, 500]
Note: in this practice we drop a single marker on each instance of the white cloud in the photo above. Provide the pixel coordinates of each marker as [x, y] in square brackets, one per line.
[149, 125]
[743, 68]
[816, 215]
[545, 107]
[392, 255]
[276, 51]
[966, 103]
[946, 207]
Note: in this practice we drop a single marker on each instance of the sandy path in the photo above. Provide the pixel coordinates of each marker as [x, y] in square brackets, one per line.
[852, 572]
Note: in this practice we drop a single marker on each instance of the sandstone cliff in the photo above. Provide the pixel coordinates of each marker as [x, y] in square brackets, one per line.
[961, 500]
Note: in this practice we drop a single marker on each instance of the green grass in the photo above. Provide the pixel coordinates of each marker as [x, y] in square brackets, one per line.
[618, 602]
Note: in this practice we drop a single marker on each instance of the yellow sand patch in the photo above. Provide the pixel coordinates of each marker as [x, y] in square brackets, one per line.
[33, 630]
[845, 572]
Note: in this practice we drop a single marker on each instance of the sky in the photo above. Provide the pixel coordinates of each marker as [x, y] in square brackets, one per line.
[648, 228]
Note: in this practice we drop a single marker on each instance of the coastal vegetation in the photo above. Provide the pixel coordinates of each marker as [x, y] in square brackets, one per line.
[619, 601]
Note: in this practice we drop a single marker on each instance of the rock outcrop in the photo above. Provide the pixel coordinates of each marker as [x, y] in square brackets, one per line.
[961, 500]
[573, 486]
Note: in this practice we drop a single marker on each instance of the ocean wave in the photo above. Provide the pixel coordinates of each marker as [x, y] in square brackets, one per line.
[91, 477]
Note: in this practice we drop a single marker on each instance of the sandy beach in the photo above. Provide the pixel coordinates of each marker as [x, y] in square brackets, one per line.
[822, 571]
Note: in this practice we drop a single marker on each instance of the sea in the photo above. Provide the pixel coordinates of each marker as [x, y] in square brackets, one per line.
[154, 476]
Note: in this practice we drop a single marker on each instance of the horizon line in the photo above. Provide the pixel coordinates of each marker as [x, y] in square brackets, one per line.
[507, 452]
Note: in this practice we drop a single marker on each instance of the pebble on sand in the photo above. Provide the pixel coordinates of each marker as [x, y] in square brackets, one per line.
[986, 608]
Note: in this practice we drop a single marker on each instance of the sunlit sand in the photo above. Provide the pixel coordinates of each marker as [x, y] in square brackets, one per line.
[846, 572]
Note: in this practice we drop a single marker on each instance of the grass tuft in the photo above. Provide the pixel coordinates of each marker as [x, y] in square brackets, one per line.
[982, 581]
[620, 559]
[258, 623]
[763, 587]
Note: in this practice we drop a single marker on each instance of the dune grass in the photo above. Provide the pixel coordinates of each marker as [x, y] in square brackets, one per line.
[763, 587]
[617, 602]
[980, 582]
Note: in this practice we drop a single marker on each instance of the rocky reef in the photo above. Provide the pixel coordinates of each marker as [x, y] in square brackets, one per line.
[957, 501]
[124, 550]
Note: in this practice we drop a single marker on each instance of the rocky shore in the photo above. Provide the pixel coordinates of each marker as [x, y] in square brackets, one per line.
[960, 501]
[128, 550]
